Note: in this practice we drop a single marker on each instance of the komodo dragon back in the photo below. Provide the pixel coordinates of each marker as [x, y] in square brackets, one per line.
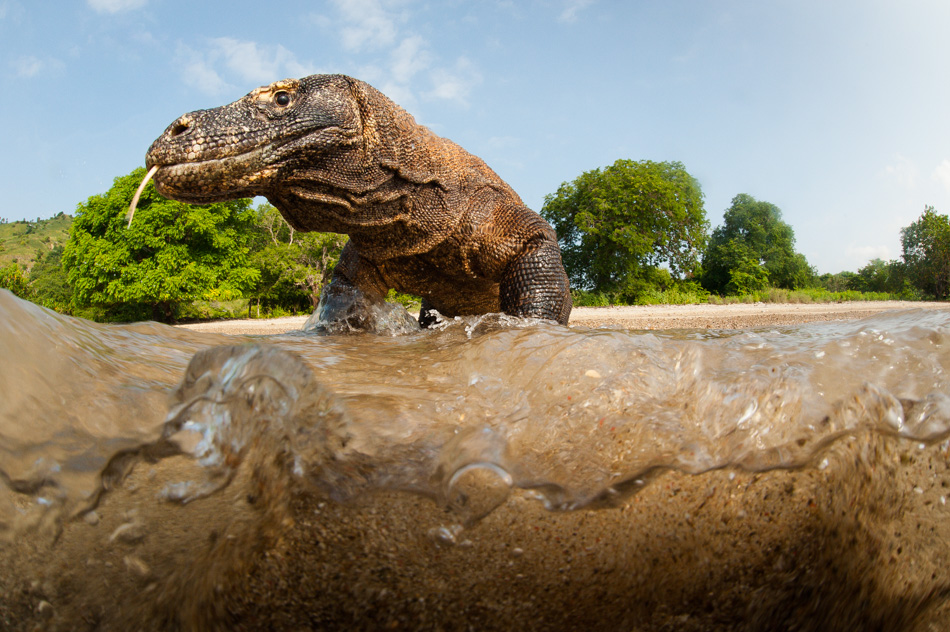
[423, 215]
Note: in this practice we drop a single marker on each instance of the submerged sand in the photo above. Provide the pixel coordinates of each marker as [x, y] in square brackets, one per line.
[857, 541]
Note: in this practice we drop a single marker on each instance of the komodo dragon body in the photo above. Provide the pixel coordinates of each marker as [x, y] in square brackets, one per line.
[424, 216]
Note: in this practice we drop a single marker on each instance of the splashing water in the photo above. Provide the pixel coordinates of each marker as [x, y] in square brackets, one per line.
[190, 457]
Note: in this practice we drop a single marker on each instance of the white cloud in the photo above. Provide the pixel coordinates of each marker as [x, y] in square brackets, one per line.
[198, 72]
[245, 63]
[942, 174]
[904, 172]
[29, 66]
[399, 93]
[11, 10]
[409, 58]
[256, 63]
[115, 6]
[572, 8]
[867, 253]
[395, 59]
[369, 24]
[455, 84]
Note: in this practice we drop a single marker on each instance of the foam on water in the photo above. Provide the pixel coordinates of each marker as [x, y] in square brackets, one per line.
[463, 414]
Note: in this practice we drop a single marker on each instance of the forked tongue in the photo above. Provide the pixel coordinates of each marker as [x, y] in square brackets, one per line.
[138, 193]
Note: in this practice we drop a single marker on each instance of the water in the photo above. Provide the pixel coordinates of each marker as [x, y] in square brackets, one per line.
[173, 466]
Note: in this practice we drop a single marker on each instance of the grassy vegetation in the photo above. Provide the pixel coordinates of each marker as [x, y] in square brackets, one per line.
[411, 302]
[807, 295]
[20, 240]
[691, 295]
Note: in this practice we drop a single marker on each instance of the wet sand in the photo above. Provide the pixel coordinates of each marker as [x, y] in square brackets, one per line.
[736, 316]
[858, 541]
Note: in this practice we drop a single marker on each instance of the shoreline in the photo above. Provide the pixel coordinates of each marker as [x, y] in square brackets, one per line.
[644, 317]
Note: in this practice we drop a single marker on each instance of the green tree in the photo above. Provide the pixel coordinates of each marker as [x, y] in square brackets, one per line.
[172, 254]
[619, 224]
[743, 268]
[880, 276]
[49, 282]
[837, 282]
[293, 266]
[926, 253]
[753, 235]
[747, 276]
[12, 278]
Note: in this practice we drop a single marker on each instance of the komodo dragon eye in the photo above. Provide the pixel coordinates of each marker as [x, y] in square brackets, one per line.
[282, 98]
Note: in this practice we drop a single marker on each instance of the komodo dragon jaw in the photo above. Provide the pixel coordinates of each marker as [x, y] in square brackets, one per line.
[239, 150]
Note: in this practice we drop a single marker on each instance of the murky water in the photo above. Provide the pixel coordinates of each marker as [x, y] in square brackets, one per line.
[187, 456]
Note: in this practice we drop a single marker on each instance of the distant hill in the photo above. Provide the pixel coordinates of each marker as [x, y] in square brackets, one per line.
[20, 240]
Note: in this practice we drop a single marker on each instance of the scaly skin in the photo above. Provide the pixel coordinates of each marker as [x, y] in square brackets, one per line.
[424, 216]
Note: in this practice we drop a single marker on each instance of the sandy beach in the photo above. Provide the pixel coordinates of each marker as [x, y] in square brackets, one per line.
[736, 316]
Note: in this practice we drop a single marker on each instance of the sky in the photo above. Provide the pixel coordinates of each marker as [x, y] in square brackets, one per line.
[836, 111]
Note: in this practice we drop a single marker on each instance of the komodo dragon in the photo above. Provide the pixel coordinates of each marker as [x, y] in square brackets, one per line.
[424, 216]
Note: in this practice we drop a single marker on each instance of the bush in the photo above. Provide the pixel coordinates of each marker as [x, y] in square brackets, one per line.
[806, 295]
[13, 279]
[583, 298]
[410, 302]
[686, 293]
[215, 310]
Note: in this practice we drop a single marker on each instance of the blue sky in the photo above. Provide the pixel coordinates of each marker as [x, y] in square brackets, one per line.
[834, 110]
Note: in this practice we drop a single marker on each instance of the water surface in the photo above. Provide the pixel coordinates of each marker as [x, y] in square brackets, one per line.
[133, 440]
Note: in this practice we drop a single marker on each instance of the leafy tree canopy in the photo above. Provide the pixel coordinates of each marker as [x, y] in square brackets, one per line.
[617, 225]
[926, 253]
[838, 282]
[883, 276]
[12, 278]
[48, 280]
[753, 246]
[173, 253]
[294, 266]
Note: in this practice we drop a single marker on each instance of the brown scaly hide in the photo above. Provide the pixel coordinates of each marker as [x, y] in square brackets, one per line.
[423, 215]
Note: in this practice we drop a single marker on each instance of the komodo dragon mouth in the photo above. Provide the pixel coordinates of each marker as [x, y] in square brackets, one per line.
[207, 181]
[215, 179]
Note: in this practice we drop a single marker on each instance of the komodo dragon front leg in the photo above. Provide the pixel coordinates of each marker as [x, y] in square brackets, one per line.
[534, 283]
[355, 300]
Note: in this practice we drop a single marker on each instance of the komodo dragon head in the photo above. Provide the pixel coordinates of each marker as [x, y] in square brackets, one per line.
[329, 151]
